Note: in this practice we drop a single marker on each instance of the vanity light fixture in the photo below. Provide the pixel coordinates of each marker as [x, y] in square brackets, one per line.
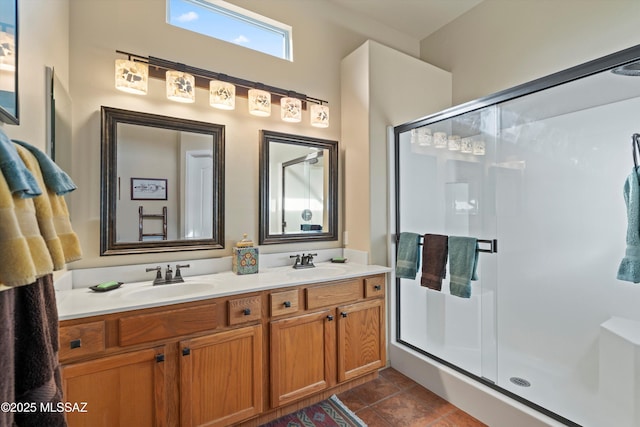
[222, 95]
[319, 115]
[181, 81]
[181, 86]
[259, 103]
[291, 110]
[132, 76]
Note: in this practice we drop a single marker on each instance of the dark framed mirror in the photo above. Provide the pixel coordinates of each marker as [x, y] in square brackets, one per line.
[162, 183]
[9, 106]
[298, 188]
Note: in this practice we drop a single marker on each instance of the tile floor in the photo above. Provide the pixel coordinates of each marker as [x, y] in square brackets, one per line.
[395, 400]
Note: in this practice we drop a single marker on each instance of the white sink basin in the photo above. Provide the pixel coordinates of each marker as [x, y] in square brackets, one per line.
[173, 290]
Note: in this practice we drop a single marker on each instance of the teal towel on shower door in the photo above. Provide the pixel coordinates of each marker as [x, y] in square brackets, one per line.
[463, 260]
[407, 258]
[629, 269]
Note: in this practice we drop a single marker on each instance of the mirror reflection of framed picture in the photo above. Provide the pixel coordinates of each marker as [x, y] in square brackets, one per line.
[148, 189]
[9, 61]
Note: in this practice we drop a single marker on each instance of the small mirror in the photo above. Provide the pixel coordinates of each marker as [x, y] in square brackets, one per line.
[298, 188]
[162, 185]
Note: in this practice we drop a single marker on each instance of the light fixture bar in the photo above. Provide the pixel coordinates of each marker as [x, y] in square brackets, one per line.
[159, 66]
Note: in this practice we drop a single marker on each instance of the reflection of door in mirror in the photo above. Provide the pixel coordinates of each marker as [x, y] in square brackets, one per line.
[304, 190]
[150, 153]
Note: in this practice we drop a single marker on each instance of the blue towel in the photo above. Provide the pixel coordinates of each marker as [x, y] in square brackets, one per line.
[463, 260]
[629, 269]
[407, 259]
[55, 178]
[19, 179]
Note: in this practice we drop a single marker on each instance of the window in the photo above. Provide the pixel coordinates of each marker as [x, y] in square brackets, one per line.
[224, 21]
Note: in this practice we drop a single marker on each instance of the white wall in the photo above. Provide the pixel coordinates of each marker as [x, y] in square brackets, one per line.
[323, 35]
[503, 43]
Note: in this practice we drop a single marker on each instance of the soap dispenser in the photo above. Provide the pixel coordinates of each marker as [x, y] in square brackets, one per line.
[245, 257]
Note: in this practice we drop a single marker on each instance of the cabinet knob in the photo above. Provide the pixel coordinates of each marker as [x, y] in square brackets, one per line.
[343, 314]
[377, 287]
[75, 343]
[287, 304]
[329, 318]
[246, 311]
[159, 358]
[186, 351]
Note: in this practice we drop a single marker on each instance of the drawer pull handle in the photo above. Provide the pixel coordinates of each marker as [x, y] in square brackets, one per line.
[159, 358]
[75, 343]
[186, 351]
[330, 318]
[246, 311]
[377, 287]
[343, 314]
[287, 304]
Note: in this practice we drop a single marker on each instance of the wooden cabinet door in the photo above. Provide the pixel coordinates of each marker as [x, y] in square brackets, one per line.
[302, 356]
[123, 390]
[221, 377]
[361, 338]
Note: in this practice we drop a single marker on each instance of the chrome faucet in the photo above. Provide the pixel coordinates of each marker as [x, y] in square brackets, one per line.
[168, 275]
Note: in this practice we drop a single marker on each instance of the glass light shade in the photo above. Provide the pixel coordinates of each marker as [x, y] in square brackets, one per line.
[291, 109]
[319, 116]
[478, 147]
[440, 139]
[222, 95]
[259, 103]
[454, 143]
[132, 77]
[466, 145]
[181, 86]
[425, 137]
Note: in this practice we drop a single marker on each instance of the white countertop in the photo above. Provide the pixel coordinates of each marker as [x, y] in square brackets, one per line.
[78, 303]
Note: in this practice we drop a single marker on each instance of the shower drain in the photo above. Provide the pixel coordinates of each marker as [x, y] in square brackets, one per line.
[520, 382]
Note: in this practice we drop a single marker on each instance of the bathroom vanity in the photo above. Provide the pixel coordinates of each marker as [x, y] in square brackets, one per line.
[221, 349]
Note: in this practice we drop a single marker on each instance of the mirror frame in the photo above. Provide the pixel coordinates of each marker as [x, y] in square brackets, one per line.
[266, 237]
[111, 117]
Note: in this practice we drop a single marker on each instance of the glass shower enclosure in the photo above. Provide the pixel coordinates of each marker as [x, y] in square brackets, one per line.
[536, 173]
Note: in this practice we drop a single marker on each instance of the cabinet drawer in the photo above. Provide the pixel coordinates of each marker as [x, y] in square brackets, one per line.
[333, 294]
[243, 310]
[167, 324]
[81, 340]
[374, 287]
[285, 302]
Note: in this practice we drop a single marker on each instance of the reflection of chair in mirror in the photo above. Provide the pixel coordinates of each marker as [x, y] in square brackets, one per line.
[152, 236]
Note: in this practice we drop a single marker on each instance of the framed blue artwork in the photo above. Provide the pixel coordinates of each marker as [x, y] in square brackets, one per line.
[9, 111]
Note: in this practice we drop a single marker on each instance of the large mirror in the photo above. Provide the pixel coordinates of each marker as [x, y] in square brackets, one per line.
[162, 183]
[298, 188]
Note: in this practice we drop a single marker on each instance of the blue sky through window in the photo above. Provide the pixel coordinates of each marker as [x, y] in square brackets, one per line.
[234, 26]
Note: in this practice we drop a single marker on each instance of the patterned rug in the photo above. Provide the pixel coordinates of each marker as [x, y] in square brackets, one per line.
[328, 413]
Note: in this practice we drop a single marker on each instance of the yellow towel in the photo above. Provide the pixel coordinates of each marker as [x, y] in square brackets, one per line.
[53, 217]
[36, 237]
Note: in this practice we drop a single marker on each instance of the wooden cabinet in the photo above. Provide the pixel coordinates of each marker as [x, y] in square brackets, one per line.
[119, 391]
[221, 377]
[302, 356]
[225, 360]
[316, 350]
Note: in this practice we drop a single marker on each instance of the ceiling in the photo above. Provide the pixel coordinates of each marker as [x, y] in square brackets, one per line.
[417, 18]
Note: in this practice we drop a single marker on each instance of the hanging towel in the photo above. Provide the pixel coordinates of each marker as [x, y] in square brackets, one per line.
[407, 258]
[53, 218]
[434, 260]
[463, 260]
[629, 269]
[54, 178]
[19, 179]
